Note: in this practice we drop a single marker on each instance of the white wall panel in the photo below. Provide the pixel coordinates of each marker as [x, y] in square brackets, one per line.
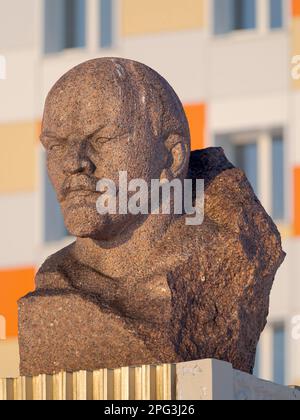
[17, 226]
[294, 132]
[18, 24]
[18, 93]
[248, 112]
[245, 64]
[285, 300]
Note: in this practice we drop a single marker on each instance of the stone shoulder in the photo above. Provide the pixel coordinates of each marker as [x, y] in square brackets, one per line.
[52, 273]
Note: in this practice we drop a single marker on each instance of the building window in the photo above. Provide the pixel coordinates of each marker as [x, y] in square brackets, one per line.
[256, 370]
[65, 24]
[106, 23]
[278, 210]
[244, 14]
[242, 151]
[246, 158]
[276, 14]
[54, 227]
[234, 15]
[75, 23]
[261, 156]
[279, 354]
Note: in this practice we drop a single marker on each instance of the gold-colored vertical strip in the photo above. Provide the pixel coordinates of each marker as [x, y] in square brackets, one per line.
[49, 388]
[80, 386]
[69, 386]
[174, 382]
[170, 382]
[159, 382]
[165, 382]
[10, 389]
[109, 384]
[127, 383]
[138, 383]
[103, 385]
[125, 387]
[132, 383]
[148, 382]
[117, 384]
[39, 388]
[98, 385]
[20, 389]
[60, 386]
[89, 386]
[152, 382]
[3, 390]
[29, 388]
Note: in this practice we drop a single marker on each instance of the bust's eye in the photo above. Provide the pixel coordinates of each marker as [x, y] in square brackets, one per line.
[52, 143]
[55, 147]
[99, 141]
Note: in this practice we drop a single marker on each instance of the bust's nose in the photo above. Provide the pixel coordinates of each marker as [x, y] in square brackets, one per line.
[76, 160]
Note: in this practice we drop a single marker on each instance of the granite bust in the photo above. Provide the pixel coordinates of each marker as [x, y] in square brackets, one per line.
[143, 289]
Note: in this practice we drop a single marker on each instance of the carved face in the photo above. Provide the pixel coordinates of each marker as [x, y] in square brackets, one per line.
[92, 129]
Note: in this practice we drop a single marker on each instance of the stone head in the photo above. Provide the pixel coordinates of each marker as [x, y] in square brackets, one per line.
[105, 116]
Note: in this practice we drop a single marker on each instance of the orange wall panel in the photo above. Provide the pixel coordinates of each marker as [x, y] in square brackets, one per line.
[196, 115]
[297, 201]
[296, 7]
[14, 284]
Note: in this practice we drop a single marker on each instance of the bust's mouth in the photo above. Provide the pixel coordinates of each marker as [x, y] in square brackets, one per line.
[79, 186]
[80, 192]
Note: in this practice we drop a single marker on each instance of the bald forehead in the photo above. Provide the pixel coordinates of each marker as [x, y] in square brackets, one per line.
[89, 97]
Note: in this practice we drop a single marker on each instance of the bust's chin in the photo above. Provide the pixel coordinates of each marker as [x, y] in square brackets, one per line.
[85, 222]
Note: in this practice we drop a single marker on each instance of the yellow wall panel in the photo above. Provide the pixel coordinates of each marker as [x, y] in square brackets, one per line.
[17, 157]
[154, 16]
[296, 44]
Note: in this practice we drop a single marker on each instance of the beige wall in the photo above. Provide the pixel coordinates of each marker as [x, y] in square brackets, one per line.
[296, 44]
[18, 157]
[154, 16]
[16, 24]
[9, 359]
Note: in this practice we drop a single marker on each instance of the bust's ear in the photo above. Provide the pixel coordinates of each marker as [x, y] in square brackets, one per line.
[179, 154]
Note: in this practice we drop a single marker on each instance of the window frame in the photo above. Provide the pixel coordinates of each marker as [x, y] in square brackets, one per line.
[63, 49]
[285, 13]
[113, 25]
[279, 326]
[85, 37]
[263, 138]
[263, 26]
[92, 31]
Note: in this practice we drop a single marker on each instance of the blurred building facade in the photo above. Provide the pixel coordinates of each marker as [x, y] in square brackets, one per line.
[230, 61]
